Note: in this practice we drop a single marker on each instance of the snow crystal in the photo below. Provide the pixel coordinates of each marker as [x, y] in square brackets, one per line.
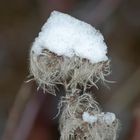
[65, 35]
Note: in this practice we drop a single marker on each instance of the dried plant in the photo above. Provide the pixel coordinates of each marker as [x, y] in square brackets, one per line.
[77, 76]
[74, 127]
[49, 70]
[76, 60]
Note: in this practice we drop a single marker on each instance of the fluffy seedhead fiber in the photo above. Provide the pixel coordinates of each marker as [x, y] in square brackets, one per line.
[49, 70]
[74, 127]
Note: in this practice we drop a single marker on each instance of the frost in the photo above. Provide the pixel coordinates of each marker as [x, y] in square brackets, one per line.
[65, 35]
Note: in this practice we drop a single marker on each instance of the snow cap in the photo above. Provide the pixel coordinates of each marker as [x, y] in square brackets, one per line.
[65, 35]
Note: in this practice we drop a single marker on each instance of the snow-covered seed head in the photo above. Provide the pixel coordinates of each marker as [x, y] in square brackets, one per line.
[72, 53]
[68, 52]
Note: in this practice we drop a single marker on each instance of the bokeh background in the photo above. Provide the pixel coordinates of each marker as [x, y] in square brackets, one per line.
[26, 114]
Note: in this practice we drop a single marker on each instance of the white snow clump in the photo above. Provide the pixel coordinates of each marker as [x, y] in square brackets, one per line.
[89, 118]
[107, 118]
[67, 36]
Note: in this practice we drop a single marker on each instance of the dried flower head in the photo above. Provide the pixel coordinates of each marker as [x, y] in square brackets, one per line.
[82, 119]
[50, 70]
[68, 52]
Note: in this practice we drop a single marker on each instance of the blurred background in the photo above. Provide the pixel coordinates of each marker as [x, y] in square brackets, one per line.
[26, 114]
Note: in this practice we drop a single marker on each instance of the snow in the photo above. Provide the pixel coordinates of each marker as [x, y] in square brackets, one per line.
[65, 35]
[109, 118]
[89, 118]
[102, 117]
